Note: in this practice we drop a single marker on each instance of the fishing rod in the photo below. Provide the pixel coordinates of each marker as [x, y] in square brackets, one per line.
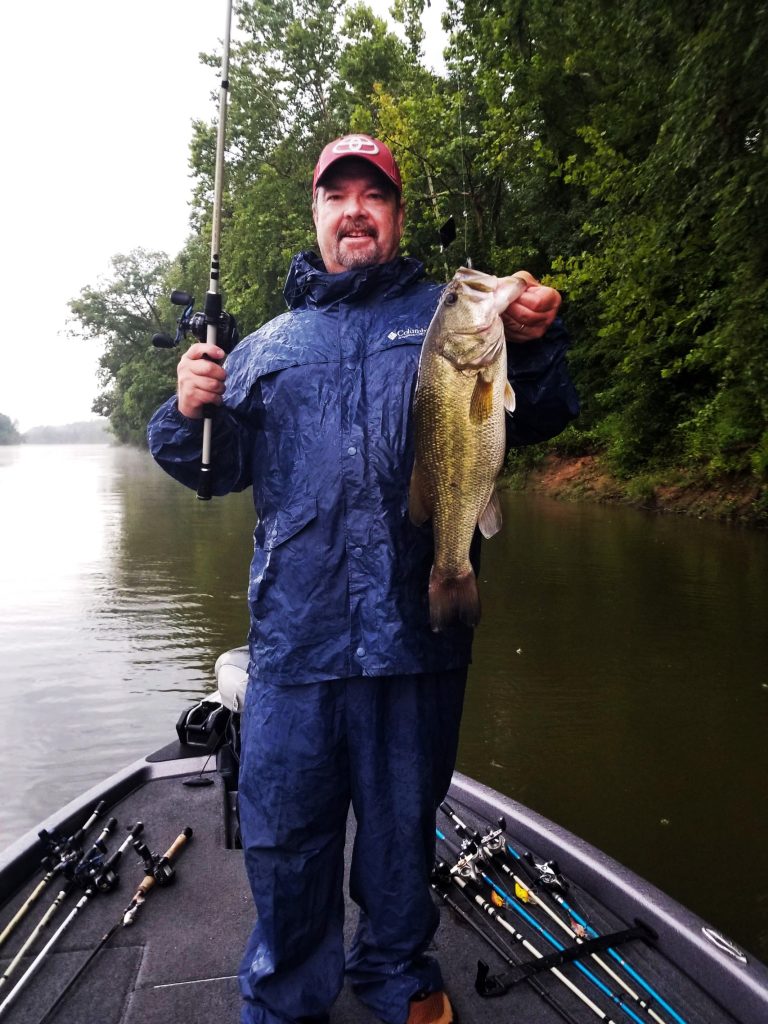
[160, 871]
[591, 945]
[481, 853]
[496, 943]
[103, 882]
[213, 325]
[84, 872]
[525, 860]
[528, 895]
[63, 853]
[473, 893]
[487, 986]
[547, 878]
[587, 947]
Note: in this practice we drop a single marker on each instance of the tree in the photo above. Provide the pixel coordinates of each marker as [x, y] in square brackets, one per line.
[9, 433]
[617, 151]
[123, 311]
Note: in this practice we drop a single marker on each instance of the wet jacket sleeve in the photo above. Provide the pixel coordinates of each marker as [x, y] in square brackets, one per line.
[176, 444]
[545, 398]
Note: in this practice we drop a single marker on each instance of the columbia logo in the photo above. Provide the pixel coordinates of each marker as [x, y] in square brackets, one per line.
[408, 332]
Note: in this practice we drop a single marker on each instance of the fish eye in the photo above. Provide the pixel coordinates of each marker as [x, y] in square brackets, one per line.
[451, 298]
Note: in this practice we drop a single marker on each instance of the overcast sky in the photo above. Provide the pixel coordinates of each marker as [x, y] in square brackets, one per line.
[98, 97]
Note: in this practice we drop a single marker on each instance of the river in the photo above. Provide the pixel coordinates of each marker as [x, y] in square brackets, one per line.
[620, 681]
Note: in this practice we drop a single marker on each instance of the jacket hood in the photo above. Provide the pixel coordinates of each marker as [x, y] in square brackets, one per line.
[309, 285]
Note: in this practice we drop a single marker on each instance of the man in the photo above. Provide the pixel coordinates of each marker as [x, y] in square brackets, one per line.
[351, 696]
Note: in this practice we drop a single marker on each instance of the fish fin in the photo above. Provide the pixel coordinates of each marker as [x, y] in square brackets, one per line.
[419, 507]
[481, 403]
[509, 398]
[490, 518]
[453, 599]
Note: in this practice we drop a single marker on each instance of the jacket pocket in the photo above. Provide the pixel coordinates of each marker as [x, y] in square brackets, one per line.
[287, 522]
[269, 537]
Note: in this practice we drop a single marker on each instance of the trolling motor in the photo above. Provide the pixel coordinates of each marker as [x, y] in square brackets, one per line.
[196, 324]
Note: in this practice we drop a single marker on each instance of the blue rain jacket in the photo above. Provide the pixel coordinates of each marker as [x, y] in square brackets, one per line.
[317, 420]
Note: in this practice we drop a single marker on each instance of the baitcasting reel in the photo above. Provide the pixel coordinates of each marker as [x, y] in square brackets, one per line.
[159, 867]
[196, 324]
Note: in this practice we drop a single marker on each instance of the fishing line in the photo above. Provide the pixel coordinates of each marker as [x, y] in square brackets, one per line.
[196, 981]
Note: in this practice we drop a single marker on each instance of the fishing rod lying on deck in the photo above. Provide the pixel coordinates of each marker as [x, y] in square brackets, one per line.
[108, 881]
[473, 892]
[160, 871]
[546, 879]
[440, 883]
[81, 875]
[62, 854]
[492, 986]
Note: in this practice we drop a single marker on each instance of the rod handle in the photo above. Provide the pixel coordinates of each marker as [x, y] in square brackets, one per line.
[170, 854]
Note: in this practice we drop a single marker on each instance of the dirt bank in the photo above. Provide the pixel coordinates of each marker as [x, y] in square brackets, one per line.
[582, 478]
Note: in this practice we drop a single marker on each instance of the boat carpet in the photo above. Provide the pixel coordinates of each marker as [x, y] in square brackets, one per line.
[177, 963]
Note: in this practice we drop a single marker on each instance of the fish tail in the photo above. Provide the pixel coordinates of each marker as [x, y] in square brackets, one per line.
[453, 599]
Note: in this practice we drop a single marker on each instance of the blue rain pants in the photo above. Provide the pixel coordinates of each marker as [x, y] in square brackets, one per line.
[387, 745]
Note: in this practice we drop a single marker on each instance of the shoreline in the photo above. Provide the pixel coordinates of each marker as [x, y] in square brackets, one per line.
[727, 499]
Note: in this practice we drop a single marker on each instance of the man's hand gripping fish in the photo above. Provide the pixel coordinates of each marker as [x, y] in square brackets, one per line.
[461, 394]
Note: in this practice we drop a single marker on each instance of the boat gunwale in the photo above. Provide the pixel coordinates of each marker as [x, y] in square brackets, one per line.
[739, 988]
[24, 855]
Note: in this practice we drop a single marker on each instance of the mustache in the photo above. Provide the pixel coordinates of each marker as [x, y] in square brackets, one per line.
[357, 227]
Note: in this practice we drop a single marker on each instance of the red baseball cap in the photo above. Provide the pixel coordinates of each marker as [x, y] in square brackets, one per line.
[365, 148]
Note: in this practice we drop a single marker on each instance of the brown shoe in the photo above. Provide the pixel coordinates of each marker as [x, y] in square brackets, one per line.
[432, 1008]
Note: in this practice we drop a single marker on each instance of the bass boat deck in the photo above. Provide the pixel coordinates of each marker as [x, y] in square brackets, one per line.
[611, 946]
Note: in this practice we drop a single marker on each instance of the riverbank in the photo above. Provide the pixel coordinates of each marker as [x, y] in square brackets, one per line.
[584, 478]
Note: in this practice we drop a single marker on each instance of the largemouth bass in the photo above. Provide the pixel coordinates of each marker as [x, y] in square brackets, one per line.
[461, 394]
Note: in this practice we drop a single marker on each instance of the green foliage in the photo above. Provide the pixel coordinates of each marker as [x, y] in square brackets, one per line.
[8, 431]
[617, 151]
[124, 310]
[673, 259]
